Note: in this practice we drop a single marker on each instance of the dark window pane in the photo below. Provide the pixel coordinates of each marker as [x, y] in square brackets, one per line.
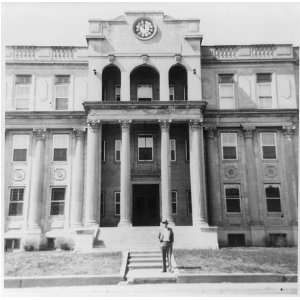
[173, 208]
[62, 79]
[272, 192]
[229, 152]
[145, 153]
[189, 203]
[15, 209]
[118, 155]
[19, 154]
[103, 151]
[269, 152]
[273, 205]
[232, 192]
[264, 77]
[277, 240]
[187, 150]
[57, 208]
[226, 78]
[58, 194]
[172, 155]
[233, 204]
[60, 154]
[236, 240]
[16, 194]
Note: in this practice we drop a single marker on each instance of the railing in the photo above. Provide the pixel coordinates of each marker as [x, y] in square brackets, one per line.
[247, 52]
[45, 53]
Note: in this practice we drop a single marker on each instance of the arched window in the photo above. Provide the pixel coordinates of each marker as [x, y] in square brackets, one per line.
[177, 83]
[111, 83]
[144, 84]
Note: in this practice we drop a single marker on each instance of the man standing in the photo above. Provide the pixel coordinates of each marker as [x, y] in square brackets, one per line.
[166, 238]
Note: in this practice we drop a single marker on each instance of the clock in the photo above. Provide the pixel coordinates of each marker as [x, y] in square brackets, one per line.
[144, 28]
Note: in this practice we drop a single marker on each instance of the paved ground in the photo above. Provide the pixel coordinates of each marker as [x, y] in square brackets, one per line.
[189, 289]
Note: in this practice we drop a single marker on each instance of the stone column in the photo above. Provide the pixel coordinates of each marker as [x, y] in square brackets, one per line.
[164, 85]
[93, 171]
[125, 195]
[166, 203]
[77, 180]
[214, 197]
[197, 174]
[36, 185]
[251, 174]
[125, 86]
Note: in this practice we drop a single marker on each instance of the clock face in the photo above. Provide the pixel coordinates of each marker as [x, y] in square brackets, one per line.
[144, 28]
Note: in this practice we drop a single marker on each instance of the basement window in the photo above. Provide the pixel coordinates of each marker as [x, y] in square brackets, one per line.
[236, 240]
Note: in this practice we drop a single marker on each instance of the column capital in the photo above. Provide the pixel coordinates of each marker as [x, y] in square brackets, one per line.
[195, 124]
[248, 131]
[164, 124]
[39, 133]
[94, 124]
[78, 132]
[211, 131]
[125, 124]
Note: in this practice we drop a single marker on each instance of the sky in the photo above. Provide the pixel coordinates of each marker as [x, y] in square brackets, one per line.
[220, 23]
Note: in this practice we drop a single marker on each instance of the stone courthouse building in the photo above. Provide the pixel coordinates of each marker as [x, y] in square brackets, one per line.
[146, 123]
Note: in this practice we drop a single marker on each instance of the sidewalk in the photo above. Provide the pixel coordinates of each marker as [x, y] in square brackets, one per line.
[190, 289]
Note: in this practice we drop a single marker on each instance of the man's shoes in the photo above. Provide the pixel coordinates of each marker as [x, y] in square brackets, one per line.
[162, 271]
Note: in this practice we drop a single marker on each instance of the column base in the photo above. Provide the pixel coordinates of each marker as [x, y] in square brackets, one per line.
[125, 223]
[201, 224]
[91, 223]
[33, 239]
[76, 225]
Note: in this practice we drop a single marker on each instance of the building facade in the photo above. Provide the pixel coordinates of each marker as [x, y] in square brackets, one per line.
[147, 123]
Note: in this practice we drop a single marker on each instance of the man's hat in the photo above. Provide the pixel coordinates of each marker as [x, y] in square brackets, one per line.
[164, 221]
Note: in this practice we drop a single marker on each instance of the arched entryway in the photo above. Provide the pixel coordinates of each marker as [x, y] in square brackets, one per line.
[178, 83]
[111, 83]
[144, 84]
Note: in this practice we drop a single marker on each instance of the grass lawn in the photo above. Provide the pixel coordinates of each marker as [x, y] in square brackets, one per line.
[235, 260]
[43, 263]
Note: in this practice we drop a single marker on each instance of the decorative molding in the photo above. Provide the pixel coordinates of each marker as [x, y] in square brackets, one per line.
[94, 124]
[270, 171]
[59, 174]
[211, 131]
[39, 133]
[231, 172]
[178, 57]
[195, 124]
[18, 175]
[289, 130]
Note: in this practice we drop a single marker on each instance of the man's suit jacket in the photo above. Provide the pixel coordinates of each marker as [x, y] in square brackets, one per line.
[161, 235]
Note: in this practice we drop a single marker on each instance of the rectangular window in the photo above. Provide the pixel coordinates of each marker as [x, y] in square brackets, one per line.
[145, 148]
[229, 145]
[23, 91]
[174, 202]
[117, 150]
[173, 149]
[171, 93]
[57, 201]
[264, 90]
[272, 194]
[277, 240]
[103, 153]
[102, 205]
[117, 92]
[226, 91]
[117, 204]
[60, 147]
[16, 202]
[20, 147]
[11, 244]
[232, 198]
[187, 150]
[268, 145]
[62, 83]
[144, 92]
[236, 240]
[189, 202]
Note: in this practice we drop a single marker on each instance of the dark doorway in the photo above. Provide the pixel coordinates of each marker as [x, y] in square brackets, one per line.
[145, 205]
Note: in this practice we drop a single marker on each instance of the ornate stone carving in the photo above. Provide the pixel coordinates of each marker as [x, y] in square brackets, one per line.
[145, 58]
[195, 124]
[60, 174]
[111, 58]
[125, 124]
[270, 171]
[231, 172]
[165, 124]
[78, 132]
[178, 57]
[39, 133]
[248, 131]
[289, 131]
[211, 132]
[94, 124]
[18, 175]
